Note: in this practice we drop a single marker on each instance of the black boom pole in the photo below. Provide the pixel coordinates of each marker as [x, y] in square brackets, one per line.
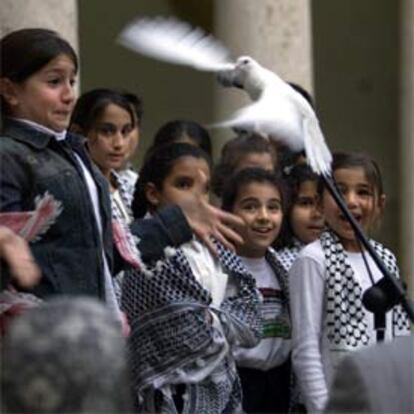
[389, 290]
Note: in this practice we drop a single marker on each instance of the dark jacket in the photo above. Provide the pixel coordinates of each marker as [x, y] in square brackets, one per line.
[70, 253]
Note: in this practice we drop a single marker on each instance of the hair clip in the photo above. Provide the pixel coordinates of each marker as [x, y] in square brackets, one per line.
[287, 170]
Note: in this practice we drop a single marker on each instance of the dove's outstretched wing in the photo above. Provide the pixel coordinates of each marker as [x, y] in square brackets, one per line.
[279, 118]
[271, 118]
[278, 111]
[173, 41]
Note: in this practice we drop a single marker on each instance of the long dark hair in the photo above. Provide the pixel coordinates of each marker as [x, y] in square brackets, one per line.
[26, 51]
[137, 105]
[293, 177]
[157, 166]
[92, 104]
[177, 129]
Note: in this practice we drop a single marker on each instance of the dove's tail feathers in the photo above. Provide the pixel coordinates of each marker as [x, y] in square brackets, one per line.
[174, 41]
[318, 155]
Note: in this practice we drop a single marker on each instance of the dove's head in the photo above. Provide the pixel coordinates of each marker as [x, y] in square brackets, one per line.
[245, 75]
[236, 75]
[246, 63]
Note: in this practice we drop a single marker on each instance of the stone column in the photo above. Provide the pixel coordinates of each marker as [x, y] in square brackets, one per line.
[407, 142]
[277, 33]
[58, 15]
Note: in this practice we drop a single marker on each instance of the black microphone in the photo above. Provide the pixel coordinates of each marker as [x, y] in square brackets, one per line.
[382, 296]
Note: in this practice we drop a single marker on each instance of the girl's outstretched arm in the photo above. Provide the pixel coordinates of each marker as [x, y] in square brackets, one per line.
[175, 225]
[168, 227]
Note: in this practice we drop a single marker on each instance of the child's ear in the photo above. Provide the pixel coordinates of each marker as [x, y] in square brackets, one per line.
[152, 194]
[8, 91]
[379, 210]
[381, 203]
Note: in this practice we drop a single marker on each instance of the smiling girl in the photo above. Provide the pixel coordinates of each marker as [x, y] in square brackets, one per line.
[257, 196]
[328, 280]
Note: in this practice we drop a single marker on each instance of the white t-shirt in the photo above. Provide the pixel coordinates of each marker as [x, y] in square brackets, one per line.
[274, 348]
[312, 356]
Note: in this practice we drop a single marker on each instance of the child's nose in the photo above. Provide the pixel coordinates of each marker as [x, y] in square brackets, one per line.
[263, 213]
[118, 140]
[68, 93]
[351, 198]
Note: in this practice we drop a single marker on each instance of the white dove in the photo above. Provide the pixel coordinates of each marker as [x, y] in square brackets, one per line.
[277, 111]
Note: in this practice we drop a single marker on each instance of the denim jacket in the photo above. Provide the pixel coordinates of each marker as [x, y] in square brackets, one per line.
[70, 253]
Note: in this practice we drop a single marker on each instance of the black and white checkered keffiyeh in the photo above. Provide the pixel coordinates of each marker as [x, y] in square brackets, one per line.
[126, 180]
[287, 255]
[346, 316]
[126, 193]
[173, 340]
[281, 273]
[124, 241]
